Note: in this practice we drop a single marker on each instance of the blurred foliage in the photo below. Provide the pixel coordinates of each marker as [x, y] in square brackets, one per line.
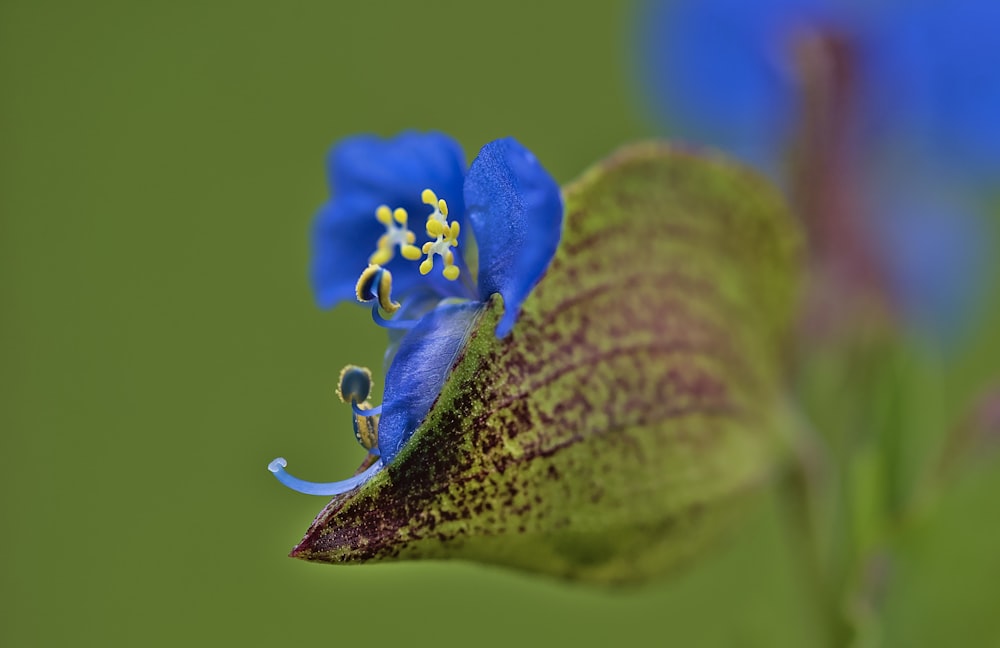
[160, 166]
[874, 118]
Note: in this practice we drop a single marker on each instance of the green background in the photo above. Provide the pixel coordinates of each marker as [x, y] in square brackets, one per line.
[160, 166]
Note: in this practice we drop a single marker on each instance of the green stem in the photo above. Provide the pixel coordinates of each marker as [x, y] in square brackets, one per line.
[798, 490]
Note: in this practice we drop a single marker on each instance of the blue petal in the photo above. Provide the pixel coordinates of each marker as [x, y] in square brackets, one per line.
[722, 71]
[418, 303]
[423, 361]
[515, 208]
[936, 246]
[939, 80]
[366, 171]
[339, 252]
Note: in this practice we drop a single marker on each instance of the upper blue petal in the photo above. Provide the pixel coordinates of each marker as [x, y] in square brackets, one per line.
[515, 208]
[722, 71]
[364, 172]
[422, 363]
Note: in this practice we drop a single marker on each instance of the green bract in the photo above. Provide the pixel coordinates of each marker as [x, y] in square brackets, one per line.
[636, 400]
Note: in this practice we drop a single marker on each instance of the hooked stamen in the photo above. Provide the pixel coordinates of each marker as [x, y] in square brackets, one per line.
[375, 283]
[320, 488]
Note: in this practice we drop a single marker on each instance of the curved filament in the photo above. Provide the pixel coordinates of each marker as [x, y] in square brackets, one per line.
[366, 412]
[391, 324]
[320, 488]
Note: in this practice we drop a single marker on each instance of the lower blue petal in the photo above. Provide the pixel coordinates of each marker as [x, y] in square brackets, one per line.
[515, 209]
[422, 363]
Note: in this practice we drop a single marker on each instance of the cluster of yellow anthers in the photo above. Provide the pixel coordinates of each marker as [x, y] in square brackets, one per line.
[397, 234]
[446, 236]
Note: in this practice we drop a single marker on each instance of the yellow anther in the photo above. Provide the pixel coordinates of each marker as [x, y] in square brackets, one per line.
[434, 227]
[427, 247]
[410, 237]
[451, 272]
[400, 215]
[381, 256]
[449, 257]
[384, 214]
[428, 197]
[427, 265]
[453, 234]
[411, 252]
[443, 207]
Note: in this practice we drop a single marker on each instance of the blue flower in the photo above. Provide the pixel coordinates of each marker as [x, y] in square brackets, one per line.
[840, 99]
[364, 249]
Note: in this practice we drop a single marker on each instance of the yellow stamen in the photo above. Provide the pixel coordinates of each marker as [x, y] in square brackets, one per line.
[445, 235]
[396, 234]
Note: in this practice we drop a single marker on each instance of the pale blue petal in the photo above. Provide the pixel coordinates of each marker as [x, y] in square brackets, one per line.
[418, 371]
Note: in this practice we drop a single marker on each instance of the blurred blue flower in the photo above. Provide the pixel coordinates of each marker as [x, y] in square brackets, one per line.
[365, 250]
[850, 98]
